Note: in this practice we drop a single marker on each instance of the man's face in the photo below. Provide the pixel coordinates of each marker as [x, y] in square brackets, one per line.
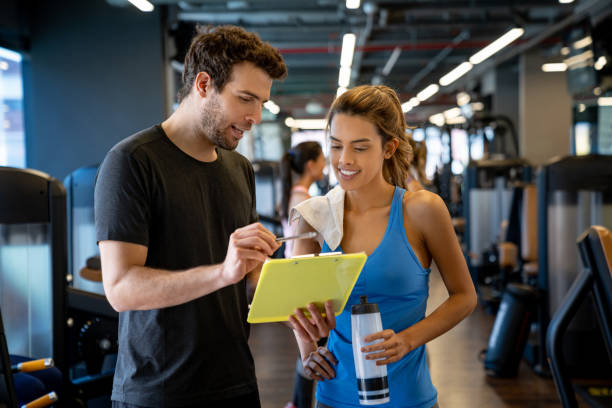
[226, 115]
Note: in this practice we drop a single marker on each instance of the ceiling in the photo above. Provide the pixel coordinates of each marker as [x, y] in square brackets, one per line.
[431, 38]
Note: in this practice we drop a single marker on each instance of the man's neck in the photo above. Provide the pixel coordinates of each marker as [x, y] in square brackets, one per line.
[182, 130]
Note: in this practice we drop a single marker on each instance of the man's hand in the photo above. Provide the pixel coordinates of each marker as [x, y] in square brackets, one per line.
[248, 248]
[315, 328]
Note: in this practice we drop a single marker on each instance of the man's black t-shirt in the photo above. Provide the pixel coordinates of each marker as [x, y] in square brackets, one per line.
[151, 193]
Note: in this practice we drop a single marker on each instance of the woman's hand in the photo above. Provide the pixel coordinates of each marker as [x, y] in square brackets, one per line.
[317, 365]
[392, 349]
[315, 328]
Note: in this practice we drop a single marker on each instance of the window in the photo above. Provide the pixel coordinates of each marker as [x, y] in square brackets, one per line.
[12, 138]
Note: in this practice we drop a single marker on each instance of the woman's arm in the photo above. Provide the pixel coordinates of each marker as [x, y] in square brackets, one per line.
[428, 214]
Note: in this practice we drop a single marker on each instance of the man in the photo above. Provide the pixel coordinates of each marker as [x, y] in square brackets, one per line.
[176, 226]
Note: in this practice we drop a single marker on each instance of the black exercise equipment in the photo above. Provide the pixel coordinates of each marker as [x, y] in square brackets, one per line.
[574, 192]
[595, 246]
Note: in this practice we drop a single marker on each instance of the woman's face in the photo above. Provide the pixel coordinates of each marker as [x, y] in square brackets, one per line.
[317, 167]
[356, 151]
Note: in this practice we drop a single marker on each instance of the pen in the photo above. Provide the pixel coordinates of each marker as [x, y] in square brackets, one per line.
[305, 235]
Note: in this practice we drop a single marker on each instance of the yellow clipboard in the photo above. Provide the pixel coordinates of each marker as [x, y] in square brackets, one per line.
[288, 284]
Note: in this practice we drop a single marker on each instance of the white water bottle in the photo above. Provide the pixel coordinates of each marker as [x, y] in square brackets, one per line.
[372, 383]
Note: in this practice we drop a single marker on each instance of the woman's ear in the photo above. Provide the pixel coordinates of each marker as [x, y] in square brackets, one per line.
[390, 148]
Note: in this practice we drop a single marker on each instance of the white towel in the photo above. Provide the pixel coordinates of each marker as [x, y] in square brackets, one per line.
[325, 214]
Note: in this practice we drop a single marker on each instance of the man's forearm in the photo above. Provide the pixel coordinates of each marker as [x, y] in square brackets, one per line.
[144, 288]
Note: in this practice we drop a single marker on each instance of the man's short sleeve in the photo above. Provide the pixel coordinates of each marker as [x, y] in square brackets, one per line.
[121, 200]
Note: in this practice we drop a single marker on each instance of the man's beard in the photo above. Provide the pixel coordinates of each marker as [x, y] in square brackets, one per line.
[212, 124]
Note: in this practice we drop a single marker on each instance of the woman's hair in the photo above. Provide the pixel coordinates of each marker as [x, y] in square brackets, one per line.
[294, 161]
[379, 105]
[419, 151]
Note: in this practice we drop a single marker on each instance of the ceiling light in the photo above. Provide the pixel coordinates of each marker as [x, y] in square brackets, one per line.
[348, 49]
[477, 106]
[581, 107]
[456, 73]
[600, 63]
[352, 4]
[308, 124]
[272, 107]
[437, 119]
[583, 42]
[554, 67]
[604, 101]
[428, 92]
[407, 106]
[566, 1]
[344, 78]
[463, 98]
[577, 60]
[452, 113]
[565, 51]
[340, 91]
[142, 5]
[456, 120]
[10, 55]
[597, 91]
[496, 45]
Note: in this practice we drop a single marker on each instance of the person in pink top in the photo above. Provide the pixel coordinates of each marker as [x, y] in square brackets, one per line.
[300, 167]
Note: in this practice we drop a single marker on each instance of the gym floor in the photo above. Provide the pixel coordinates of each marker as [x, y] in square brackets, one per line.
[456, 371]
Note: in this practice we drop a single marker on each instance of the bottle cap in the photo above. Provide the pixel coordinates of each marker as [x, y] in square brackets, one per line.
[364, 307]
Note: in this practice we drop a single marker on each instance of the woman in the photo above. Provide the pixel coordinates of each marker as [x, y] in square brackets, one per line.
[402, 233]
[416, 176]
[306, 160]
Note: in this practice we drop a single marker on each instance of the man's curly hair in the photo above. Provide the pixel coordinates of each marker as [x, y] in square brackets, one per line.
[217, 50]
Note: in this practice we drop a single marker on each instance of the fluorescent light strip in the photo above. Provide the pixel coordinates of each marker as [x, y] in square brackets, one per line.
[272, 107]
[554, 67]
[428, 92]
[604, 101]
[566, 1]
[11, 55]
[600, 63]
[437, 119]
[463, 98]
[340, 91]
[496, 45]
[456, 120]
[308, 124]
[577, 59]
[456, 73]
[452, 113]
[583, 42]
[348, 49]
[352, 4]
[142, 5]
[344, 78]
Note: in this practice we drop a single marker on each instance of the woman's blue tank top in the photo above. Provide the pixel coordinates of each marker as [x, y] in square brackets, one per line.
[394, 278]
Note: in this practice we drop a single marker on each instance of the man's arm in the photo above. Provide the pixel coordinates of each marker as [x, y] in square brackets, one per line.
[129, 285]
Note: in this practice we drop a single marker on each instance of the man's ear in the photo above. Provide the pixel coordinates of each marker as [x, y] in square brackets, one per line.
[202, 84]
[391, 147]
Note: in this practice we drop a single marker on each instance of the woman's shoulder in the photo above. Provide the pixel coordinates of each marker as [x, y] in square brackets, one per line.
[423, 205]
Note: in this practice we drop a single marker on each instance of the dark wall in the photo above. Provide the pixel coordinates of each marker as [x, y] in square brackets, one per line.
[94, 77]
